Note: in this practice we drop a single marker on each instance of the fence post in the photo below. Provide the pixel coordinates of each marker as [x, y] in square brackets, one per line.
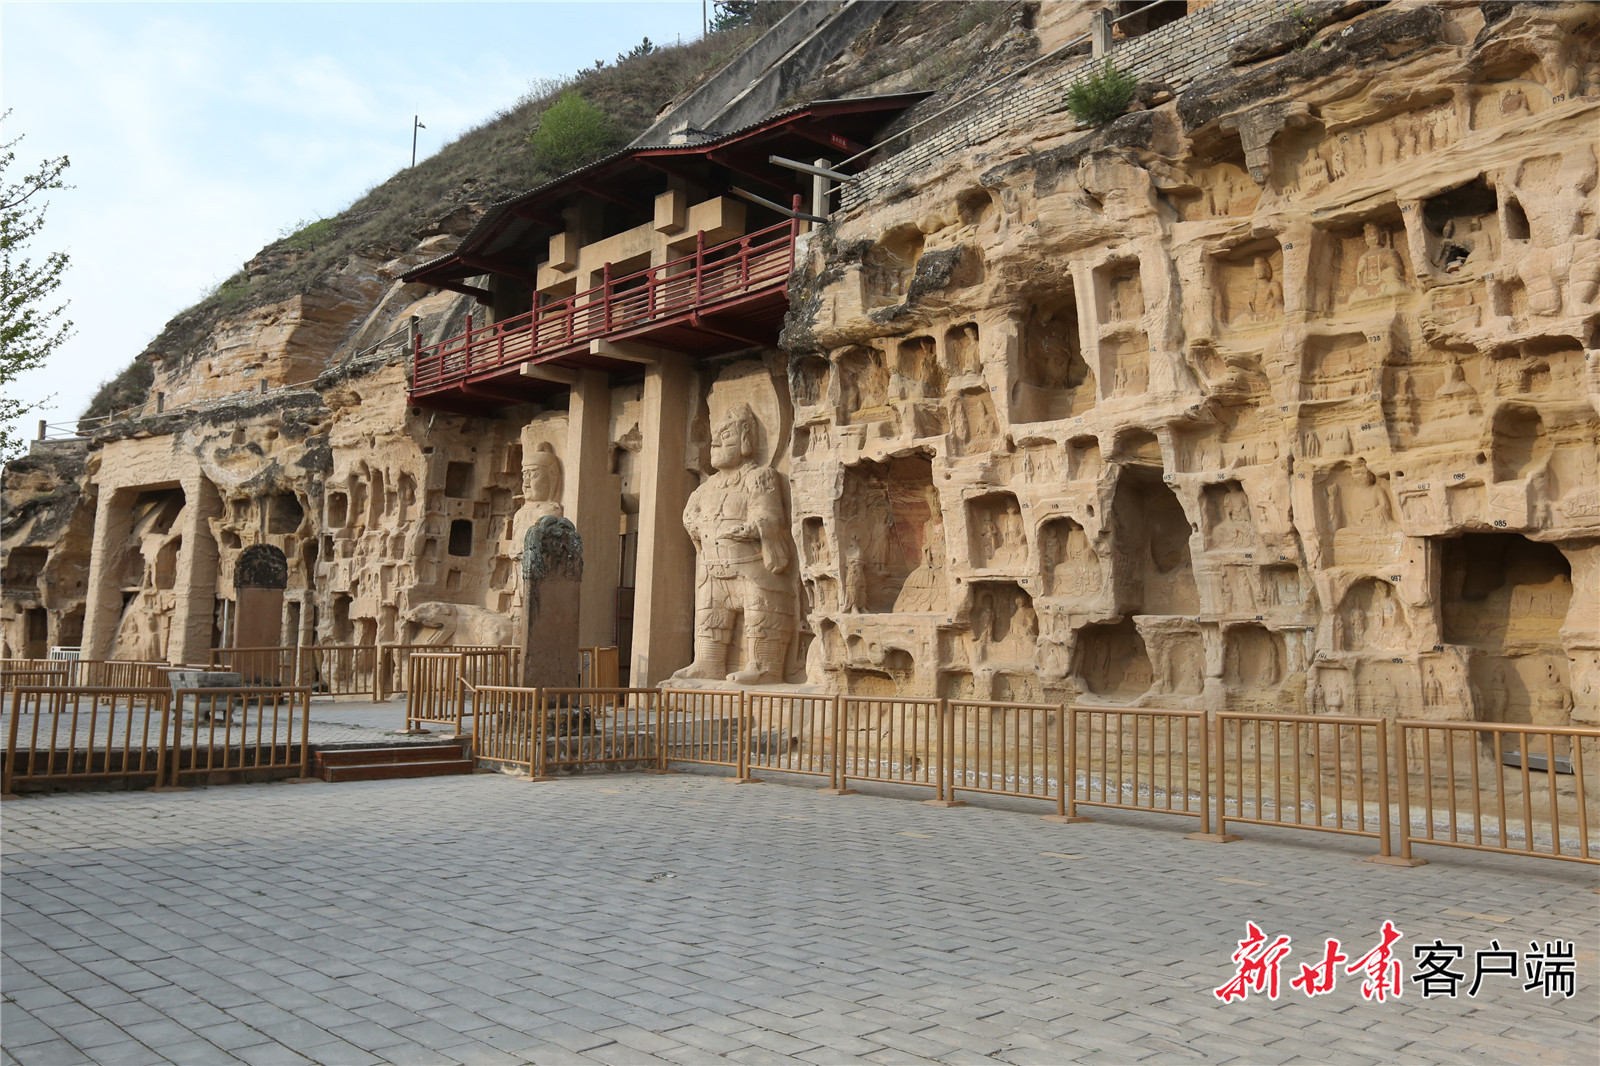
[836, 786]
[301, 696]
[1402, 781]
[536, 763]
[171, 711]
[1221, 836]
[11, 748]
[741, 758]
[1067, 764]
[944, 756]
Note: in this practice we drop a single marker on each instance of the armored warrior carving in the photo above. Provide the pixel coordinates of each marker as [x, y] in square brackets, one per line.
[740, 528]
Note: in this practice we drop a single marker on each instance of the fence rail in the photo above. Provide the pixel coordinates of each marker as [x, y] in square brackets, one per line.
[229, 730]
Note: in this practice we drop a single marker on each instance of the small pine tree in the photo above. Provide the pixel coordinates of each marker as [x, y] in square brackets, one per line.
[1102, 96]
[571, 133]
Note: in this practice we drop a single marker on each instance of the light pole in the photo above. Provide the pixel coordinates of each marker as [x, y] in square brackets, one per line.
[416, 125]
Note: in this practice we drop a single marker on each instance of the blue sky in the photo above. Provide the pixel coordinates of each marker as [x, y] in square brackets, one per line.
[200, 132]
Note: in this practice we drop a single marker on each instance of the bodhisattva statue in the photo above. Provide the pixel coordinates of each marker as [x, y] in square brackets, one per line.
[740, 528]
[541, 492]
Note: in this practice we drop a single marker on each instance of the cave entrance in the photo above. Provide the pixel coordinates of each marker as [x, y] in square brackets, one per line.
[1152, 537]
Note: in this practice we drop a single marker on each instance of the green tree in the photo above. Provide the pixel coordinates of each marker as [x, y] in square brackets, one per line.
[572, 132]
[30, 329]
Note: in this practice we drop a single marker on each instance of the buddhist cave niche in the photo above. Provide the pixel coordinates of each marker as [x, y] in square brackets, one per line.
[1342, 365]
[458, 481]
[1460, 231]
[917, 373]
[1226, 508]
[995, 535]
[284, 513]
[962, 354]
[889, 265]
[1152, 569]
[1083, 459]
[976, 209]
[1248, 286]
[974, 428]
[1052, 379]
[809, 377]
[864, 387]
[1371, 618]
[1521, 442]
[1509, 89]
[891, 538]
[147, 574]
[1506, 599]
[1111, 662]
[1071, 569]
[1177, 658]
[1137, 446]
[1001, 623]
[1359, 265]
[1253, 657]
[337, 506]
[1355, 515]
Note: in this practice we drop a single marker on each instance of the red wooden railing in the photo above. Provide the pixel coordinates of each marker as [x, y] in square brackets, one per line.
[722, 272]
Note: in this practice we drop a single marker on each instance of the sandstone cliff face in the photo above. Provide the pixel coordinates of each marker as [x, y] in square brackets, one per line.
[1281, 395]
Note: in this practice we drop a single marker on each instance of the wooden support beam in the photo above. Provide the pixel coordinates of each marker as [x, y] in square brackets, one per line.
[560, 375]
[628, 351]
[495, 268]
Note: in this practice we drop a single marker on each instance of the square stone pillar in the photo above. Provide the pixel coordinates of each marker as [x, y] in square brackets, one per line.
[195, 591]
[663, 620]
[592, 498]
[113, 521]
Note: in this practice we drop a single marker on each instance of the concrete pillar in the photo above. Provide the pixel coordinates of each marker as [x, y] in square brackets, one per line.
[663, 621]
[592, 498]
[113, 521]
[195, 591]
[1100, 34]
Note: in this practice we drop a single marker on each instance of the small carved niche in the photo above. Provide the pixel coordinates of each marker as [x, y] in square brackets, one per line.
[1459, 229]
[1355, 514]
[1356, 264]
[808, 377]
[995, 535]
[1370, 617]
[1502, 590]
[889, 528]
[1521, 442]
[1509, 90]
[814, 541]
[458, 481]
[1119, 291]
[1125, 357]
[1341, 365]
[890, 263]
[973, 423]
[1283, 586]
[1152, 567]
[1053, 380]
[1001, 622]
[961, 349]
[1248, 283]
[338, 509]
[1068, 562]
[918, 375]
[1221, 185]
[1138, 446]
[1112, 661]
[460, 542]
[1227, 516]
[1253, 657]
[865, 384]
[284, 513]
[1083, 459]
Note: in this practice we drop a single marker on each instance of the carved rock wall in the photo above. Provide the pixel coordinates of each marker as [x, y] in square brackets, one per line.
[1249, 400]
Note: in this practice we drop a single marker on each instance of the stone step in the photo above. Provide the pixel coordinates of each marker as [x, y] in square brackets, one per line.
[388, 770]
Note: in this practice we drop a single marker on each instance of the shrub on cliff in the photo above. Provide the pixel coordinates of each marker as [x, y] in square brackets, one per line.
[1102, 96]
[572, 132]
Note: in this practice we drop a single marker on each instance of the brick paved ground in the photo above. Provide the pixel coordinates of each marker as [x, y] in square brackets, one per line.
[638, 919]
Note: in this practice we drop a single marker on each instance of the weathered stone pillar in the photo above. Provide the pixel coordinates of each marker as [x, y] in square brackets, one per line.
[552, 580]
[195, 590]
[663, 620]
[113, 520]
[593, 499]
